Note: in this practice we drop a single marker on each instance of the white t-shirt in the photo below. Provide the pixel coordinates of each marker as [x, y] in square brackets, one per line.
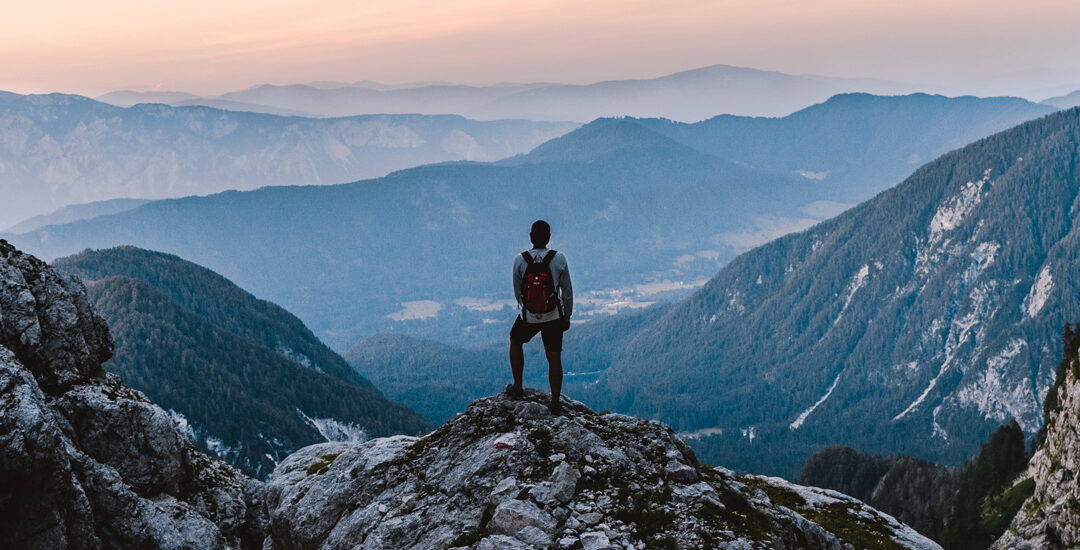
[560, 273]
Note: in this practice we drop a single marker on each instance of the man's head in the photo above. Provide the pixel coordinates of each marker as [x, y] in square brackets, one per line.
[540, 233]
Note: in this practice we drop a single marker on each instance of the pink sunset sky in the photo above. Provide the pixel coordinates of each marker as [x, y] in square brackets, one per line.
[206, 47]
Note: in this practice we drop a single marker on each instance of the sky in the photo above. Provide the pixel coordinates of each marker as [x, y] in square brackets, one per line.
[209, 47]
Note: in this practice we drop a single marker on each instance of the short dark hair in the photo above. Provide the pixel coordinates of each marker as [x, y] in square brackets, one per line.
[540, 233]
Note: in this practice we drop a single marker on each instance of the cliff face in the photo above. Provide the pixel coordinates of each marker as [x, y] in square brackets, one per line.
[507, 474]
[1050, 516]
[85, 461]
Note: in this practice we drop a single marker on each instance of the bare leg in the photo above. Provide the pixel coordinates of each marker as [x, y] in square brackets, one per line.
[555, 377]
[517, 363]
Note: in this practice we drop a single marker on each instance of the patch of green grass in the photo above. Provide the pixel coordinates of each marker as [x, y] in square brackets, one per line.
[320, 466]
[999, 510]
[841, 519]
[778, 495]
[737, 514]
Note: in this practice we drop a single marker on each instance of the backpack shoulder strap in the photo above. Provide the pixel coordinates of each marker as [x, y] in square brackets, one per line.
[549, 256]
[528, 257]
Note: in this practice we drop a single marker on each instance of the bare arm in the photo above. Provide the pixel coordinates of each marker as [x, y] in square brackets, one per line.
[517, 280]
[566, 289]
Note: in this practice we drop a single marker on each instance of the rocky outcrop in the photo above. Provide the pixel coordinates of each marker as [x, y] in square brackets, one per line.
[507, 474]
[1050, 516]
[46, 321]
[85, 461]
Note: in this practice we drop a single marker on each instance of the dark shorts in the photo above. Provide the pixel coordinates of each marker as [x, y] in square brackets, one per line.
[550, 331]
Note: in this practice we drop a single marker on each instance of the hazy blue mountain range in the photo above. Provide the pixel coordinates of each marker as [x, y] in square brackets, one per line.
[372, 256]
[57, 150]
[247, 378]
[127, 98]
[688, 96]
[642, 217]
[915, 323]
[1066, 101]
[854, 144]
[77, 212]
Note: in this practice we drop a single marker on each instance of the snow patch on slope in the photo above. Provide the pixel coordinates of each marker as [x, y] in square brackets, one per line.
[981, 258]
[857, 281]
[220, 449]
[992, 395]
[952, 212]
[335, 430]
[949, 215]
[1040, 291]
[803, 415]
[960, 333]
[294, 356]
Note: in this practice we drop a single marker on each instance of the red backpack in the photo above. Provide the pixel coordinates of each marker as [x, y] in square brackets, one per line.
[538, 285]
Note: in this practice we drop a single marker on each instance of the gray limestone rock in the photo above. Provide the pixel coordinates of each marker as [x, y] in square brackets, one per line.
[506, 489]
[680, 473]
[476, 482]
[564, 482]
[512, 516]
[46, 320]
[85, 461]
[595, 540]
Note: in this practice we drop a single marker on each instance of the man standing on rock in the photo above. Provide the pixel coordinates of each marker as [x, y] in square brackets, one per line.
[543, 291]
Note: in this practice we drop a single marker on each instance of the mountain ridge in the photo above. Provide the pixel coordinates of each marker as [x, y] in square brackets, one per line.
[62, 149]
[248, 381]
[691, 95]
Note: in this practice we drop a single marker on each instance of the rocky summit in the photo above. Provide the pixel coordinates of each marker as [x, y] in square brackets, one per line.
[85, 461]
[506, 473]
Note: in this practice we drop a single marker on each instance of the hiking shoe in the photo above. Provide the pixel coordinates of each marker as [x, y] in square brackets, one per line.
[514, 392]
[555, 407]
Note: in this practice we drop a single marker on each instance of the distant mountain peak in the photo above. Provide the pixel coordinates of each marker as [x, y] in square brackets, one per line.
[604, 137]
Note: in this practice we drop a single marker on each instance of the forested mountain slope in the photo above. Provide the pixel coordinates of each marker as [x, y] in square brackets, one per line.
[248, 379]
[914, 323]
